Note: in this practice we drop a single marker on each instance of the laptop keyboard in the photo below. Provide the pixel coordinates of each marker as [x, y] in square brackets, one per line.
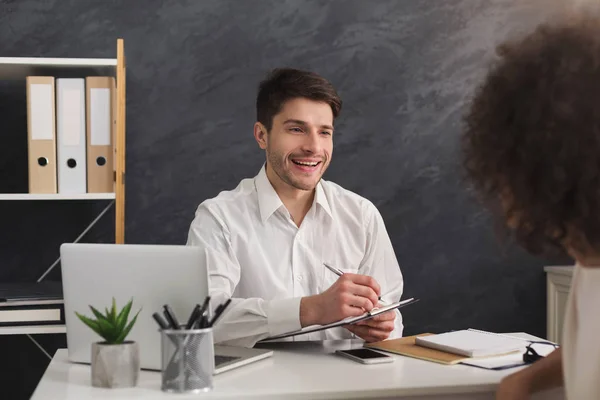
[219, 360]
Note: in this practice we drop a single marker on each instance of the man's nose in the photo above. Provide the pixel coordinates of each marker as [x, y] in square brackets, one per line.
[312, 143]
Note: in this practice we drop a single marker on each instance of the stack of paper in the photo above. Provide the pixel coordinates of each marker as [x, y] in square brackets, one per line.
[488, 350]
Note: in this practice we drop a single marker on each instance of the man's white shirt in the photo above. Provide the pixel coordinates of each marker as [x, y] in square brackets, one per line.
[256, 255]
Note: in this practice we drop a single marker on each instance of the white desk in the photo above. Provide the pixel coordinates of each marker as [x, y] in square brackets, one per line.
[305, 370]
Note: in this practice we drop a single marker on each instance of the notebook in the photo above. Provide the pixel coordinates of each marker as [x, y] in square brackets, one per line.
[346, 321]
[30, 291]
[472, 343]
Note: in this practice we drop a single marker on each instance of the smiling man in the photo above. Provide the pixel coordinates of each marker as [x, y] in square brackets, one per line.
[266, 241]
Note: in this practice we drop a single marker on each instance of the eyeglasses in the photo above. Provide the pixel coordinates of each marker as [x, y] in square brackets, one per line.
[531, 355]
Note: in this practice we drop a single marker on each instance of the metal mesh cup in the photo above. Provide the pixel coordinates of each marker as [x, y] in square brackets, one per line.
[188, 361]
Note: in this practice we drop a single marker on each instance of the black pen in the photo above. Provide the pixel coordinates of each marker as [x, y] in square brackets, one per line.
[204, 312]
[205, 305]
[199, 317]
[164, 325]
[160, 320]
[218, 313]
[203, 323]
[193, 317]
[171, 317]
[339, 272]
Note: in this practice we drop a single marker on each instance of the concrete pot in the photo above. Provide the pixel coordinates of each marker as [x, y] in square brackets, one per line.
[115, 365]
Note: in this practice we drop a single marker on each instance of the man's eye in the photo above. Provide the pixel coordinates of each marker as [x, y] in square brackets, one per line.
[295, 129]
[326, 133]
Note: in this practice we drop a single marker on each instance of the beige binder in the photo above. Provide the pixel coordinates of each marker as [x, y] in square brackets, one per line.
[41, 134]
[101, 124]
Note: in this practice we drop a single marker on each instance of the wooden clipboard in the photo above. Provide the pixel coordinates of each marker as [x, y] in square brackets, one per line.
[406, 346]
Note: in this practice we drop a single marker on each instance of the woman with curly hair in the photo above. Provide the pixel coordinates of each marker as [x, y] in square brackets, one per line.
[531, 149]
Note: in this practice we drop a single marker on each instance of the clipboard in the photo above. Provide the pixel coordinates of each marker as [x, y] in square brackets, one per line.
[406, 346]
[346, 321]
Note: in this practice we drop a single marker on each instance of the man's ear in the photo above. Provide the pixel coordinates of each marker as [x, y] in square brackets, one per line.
[260, 134]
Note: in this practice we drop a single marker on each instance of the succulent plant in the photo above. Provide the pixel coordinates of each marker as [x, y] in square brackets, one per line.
[111, 326]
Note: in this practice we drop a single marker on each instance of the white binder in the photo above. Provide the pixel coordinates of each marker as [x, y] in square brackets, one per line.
[71, 137]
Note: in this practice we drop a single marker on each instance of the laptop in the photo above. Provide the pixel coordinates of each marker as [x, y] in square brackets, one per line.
[151, 275]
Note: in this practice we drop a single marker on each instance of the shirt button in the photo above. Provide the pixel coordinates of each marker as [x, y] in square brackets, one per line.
[299, 278]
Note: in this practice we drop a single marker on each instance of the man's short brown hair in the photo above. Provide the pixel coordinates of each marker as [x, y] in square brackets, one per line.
[283, 84]
[531, 145]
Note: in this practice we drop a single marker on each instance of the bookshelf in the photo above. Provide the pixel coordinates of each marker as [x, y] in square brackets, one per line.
[18, 68]
[35, 196]
[33, 330]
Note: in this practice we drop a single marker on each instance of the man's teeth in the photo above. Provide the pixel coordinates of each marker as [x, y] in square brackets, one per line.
[308, 164]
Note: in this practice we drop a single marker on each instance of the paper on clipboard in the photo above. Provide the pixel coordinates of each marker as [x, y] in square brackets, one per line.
[347, 321]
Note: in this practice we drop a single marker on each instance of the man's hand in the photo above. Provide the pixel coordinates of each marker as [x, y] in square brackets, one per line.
[349, 296]
[376, 328]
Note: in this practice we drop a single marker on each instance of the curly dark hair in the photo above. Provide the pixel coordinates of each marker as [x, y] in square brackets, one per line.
[531, 144]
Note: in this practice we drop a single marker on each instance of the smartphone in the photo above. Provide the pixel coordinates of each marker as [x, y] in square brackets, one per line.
[365, 356]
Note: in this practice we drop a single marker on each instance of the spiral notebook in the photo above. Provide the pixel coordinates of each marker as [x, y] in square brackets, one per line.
[472, 343]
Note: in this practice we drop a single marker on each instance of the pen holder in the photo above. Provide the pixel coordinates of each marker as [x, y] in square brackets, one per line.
[188, 360]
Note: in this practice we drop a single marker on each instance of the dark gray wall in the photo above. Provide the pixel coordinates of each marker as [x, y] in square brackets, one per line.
[404, 70]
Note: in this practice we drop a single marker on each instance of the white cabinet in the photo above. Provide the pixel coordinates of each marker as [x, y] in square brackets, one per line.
[558, 281]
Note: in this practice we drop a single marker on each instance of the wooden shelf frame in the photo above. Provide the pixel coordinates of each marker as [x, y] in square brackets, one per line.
[13, 68]
[120, 146]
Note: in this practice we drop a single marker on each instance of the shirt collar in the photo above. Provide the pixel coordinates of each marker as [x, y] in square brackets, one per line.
[321, 199]
[269, 201]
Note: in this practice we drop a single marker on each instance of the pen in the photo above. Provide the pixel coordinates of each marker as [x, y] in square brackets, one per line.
[339, 272]
[160, 320]
[218, 312]
[170, 315]
[199, 323]
[163, 325]
[193, 317]
[204, 313]
[336, 271]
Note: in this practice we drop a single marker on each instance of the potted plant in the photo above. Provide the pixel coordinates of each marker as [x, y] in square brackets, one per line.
[115, 361]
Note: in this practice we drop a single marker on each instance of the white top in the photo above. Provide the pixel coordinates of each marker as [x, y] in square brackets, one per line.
[258, 256]
[298, 370]
[581, 336]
